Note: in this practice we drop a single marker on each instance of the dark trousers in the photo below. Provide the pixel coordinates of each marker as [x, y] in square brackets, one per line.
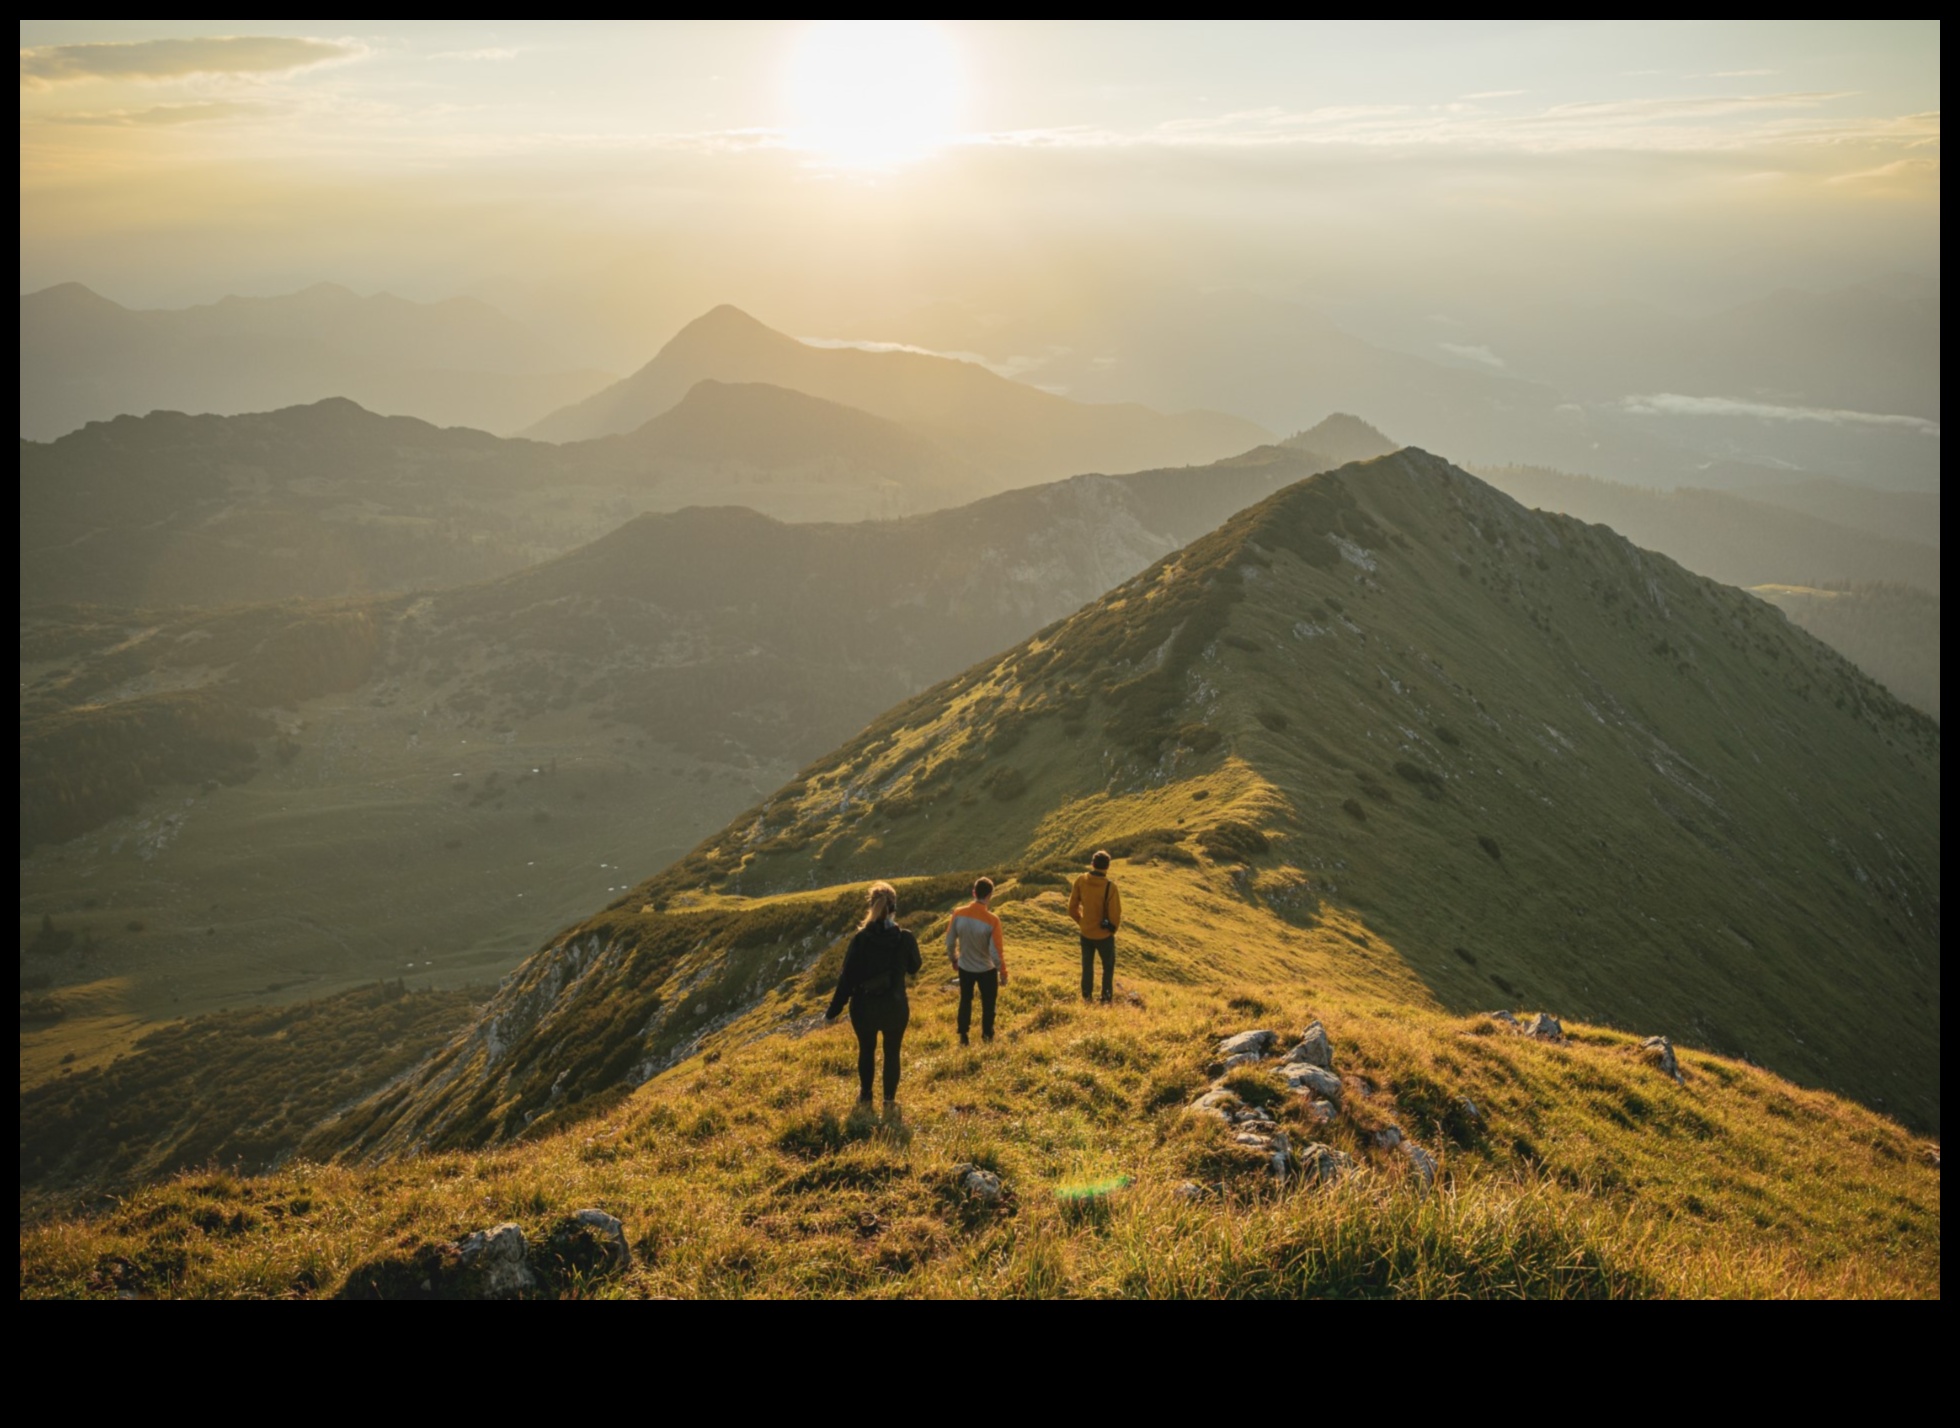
[989, 985]
[1105, 948]
[869, 1017]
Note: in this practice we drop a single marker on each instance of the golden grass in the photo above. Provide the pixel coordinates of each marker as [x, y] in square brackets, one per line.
[1584, 1173]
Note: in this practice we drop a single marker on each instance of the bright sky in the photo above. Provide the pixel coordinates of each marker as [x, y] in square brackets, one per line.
[170, 160]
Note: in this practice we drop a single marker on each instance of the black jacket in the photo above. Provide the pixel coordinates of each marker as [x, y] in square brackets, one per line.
[883, 949]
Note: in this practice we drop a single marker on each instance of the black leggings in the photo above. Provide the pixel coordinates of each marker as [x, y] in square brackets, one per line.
[869, 1017]
[989, 985]
[1104, 947]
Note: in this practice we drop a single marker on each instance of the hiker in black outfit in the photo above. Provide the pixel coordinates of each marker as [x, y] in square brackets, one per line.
[876, 965]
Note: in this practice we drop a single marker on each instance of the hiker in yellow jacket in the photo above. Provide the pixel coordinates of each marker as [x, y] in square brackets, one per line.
[1097, 909]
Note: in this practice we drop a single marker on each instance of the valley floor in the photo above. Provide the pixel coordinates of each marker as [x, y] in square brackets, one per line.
[1574, 1168]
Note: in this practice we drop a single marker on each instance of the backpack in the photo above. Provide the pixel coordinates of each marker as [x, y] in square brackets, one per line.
[882, 984]
[1109, 886]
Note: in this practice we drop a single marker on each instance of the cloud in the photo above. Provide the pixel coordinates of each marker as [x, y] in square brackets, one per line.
[160, 115]
[1656, 123]
[1493, 94]
[1473, 352]
[176, 59]
[1014, 367]
[1674, 404]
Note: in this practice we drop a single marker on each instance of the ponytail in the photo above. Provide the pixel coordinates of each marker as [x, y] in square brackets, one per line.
[882, 900]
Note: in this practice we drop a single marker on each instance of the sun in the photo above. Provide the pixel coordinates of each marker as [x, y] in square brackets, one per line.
[874, 94]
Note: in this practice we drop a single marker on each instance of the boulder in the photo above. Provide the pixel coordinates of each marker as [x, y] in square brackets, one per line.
[1314, 1048]
[1388, 1137]
[1662, 1052]
[494, 1264]
[1244, 1058]
[1256, 1043]
[1317, 1080]
[1545, 1027]
[1504, 1017]
[1322, 1111]
[1322, 1164]
[1189, 1190]
[1422, 1162]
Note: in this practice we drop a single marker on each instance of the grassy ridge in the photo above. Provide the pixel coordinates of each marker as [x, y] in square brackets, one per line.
[1583, 1172]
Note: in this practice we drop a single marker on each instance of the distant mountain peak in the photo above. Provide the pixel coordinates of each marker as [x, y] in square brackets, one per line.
[1342, 438]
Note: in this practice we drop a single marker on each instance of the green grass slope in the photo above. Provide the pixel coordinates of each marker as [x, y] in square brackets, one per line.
[1532, 761]
[1576, 1169]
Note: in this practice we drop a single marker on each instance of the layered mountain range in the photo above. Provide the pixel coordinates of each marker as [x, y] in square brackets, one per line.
[1403, 734]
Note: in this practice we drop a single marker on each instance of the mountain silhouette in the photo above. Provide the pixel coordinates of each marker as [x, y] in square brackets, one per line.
[1016, 433]
[458, 362]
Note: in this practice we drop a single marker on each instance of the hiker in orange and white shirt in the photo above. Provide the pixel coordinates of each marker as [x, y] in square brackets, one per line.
[978, 952]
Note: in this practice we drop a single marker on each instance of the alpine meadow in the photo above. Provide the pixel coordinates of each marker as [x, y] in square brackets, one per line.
[902, 659]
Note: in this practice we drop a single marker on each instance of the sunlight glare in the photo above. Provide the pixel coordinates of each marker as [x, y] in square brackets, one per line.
[872, 94]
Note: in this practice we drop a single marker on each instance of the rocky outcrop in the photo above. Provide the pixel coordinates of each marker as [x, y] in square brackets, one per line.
[1307, 1070]
[492, 1264]
[1660, 1051]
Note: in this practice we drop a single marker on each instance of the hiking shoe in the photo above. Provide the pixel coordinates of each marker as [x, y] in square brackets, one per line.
[963, 1040]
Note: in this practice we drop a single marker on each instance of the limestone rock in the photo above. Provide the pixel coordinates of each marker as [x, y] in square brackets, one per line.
[1244, 1058]
[1275, 1144]
[1314, 1048]
[1256, 1043]
[1322, 1164]
[1189, 1190]
[1388, 1137]
[1504, 1017]
[1545, 1027]
[495, 1264]
[1663, 1051]
[1317, 1080]
[1422, 1162]
[1322, 1111]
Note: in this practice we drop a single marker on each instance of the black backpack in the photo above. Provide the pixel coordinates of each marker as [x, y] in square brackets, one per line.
[884, 983]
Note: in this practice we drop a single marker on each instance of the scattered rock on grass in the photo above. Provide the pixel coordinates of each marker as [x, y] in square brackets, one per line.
[1314, 1048]
[1504, 1017]
[1310, 1079]
[1662, 1051]
[1271, 1141]
[1545, 1027]
[1244, 1058]
[591, 1241]
[1388, 1137]
[1322, 1164]
[1322, 1111]
[1254, 1043]
[1189, 1190]
[1218, 1103]
[494, 1264]
[1422, 1162]
[978, 1184]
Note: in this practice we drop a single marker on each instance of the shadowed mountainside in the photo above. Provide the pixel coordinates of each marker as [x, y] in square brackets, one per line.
[1726, 536]
[1409, 733]
[1892, 632]
[314, 794]
[329, 499]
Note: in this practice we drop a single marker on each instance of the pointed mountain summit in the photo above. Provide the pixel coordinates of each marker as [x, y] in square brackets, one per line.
[1017, 433]
[1341, 438]
[1386, 734]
